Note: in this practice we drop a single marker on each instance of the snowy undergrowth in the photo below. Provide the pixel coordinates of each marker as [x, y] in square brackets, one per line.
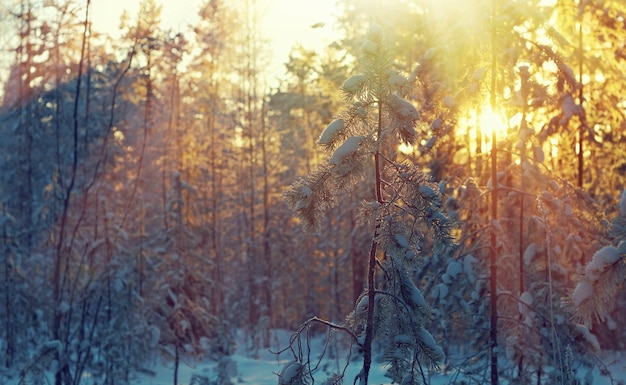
[260, 368]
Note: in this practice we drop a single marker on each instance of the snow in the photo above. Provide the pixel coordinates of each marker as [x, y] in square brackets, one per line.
[530, 253]
[427, 339]
[442, 187]
[289, 372]
[430, 53]
[361, 111]
[569, 107]
[427, 191]
[479, 73]
[346, 149]
[417, 299]
[154, 335]
[403, 108]
[354, 83]
[607, 255]
[468, 267]
[436, 124]
[331, 130]
[526, 300]
[403, 339]
[397, 80]
[449, 101]
[440, 291]
[454, 268]
[264, 369]
[305, 200]
[306, 191]
[369, 47]
[583, 291]
[375, 32]
[402, 241]
[362, 304]
[589, 337]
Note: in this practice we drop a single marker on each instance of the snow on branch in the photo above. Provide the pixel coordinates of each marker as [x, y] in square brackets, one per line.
[594, 295]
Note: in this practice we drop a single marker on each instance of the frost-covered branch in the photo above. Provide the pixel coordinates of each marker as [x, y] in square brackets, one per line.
[594, 296]
[406, 213]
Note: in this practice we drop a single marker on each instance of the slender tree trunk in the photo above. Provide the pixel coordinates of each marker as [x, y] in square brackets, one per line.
[582, 128]
[252, 258]
[523, 158]
[107, 292]
[176, 363]
[218, 291]
[371, 269]
[61, 261]
[25, 93]
[267, 251]
[493, 331]
[9, 327]
[251, 118]
[87, 93]
[164, 155]
[493, 280]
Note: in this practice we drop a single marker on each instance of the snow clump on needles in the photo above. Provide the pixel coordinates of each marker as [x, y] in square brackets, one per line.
[345, 150]
[603, 258]
[331, 131]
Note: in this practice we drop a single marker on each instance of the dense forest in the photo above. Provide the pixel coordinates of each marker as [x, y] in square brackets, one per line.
[460, 167]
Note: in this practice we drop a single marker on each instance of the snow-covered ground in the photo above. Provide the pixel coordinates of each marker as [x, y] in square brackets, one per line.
[261, 368]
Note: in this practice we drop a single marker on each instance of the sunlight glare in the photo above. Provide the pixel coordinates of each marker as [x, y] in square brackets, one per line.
[491, 121]
[284, 23]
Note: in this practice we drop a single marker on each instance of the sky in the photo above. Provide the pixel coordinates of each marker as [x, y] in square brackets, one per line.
[285, 22]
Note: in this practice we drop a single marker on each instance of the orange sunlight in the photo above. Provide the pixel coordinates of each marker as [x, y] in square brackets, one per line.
[491, 121]
[284, 23]
[482, 122]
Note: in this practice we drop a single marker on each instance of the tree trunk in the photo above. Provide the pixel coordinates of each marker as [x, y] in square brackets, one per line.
[8, 303]
[371, 270]
[267, 250]
[176, 363]
[493, 279]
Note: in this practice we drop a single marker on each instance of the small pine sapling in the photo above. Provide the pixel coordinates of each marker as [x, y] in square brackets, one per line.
[595, 293]
[407, 218]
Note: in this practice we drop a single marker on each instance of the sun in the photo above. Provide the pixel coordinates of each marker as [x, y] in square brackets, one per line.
[492, 121]
[479, 124]
[487, 124]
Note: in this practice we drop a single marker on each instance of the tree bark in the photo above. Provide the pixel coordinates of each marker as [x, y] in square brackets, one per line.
[493, 279]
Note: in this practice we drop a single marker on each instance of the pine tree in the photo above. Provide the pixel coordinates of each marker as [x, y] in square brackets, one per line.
[406, 215]
[594, 296]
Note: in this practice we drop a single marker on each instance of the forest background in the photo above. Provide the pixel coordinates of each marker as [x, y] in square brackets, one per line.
[142, 181]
